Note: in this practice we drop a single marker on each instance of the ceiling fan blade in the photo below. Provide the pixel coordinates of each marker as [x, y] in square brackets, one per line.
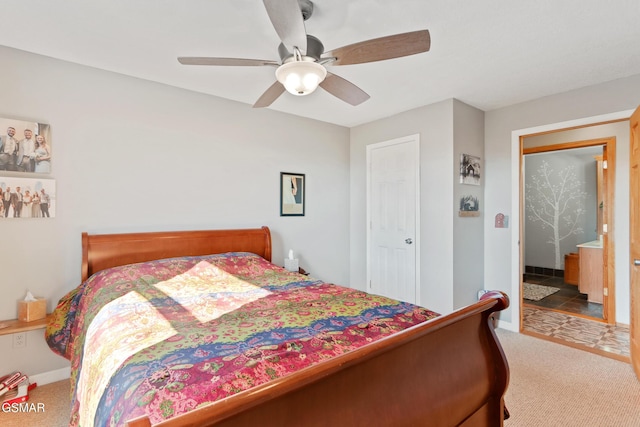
[286, 17]
[270, 95]
[382, 48]
[344, 89]
[203, 60]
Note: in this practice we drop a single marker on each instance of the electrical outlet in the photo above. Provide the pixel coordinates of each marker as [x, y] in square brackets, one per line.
[19, 340]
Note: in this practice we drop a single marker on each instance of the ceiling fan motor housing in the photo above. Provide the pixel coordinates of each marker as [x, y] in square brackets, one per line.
[315, 49]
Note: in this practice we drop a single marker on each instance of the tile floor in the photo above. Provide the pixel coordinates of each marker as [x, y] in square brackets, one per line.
[552, 317]
[567, 299]
[607, 340]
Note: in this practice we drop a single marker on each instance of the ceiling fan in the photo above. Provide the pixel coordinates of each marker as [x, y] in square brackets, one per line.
[302, 57]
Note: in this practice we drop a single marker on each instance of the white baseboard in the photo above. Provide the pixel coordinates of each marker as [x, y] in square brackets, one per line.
[50, 376]
[509, 326]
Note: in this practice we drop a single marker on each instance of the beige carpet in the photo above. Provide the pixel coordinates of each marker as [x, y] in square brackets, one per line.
[53, 398]
[550, 385]
[555, 385]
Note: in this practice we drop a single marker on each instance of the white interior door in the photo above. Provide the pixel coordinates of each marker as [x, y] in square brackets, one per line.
[392, 215]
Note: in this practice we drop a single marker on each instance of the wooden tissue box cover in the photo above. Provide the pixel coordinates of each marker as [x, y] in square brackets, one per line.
[28, 311]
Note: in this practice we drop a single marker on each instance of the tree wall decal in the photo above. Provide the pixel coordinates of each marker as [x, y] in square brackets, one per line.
[556, 200]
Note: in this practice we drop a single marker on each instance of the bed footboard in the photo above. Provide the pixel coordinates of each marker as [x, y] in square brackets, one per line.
[450, 371]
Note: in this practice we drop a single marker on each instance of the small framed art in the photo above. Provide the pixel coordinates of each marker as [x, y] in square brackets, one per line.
[469, 169]
[292, 194]
[469, 206]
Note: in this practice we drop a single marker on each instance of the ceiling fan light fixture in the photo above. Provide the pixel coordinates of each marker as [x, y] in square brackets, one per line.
[301, 77]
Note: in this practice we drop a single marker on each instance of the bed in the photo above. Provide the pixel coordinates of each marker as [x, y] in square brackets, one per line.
[198, 328]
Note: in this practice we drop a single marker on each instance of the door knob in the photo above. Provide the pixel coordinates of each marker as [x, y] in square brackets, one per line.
[636, 262]
[408, 241]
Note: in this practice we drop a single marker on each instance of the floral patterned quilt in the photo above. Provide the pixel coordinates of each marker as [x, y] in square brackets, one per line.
[165, 337]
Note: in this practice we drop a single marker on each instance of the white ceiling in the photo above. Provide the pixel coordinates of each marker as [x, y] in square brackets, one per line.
[486, 53]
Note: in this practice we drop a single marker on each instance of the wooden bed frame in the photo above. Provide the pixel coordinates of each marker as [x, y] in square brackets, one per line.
[449, 371]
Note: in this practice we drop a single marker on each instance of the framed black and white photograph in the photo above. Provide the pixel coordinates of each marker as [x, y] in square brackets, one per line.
[469, 169]
[25, 146]
[292, 194]
[27, 198]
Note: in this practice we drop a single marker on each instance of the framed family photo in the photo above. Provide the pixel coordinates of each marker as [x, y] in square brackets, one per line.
[25, 146]
[27, 198]
[292, 194]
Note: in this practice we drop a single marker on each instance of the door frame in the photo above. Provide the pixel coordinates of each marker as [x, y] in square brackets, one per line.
[412, 139]
[516, 201]
[634, 333]
[608, 238]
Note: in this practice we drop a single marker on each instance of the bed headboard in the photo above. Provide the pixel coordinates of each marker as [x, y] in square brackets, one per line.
[101, 251]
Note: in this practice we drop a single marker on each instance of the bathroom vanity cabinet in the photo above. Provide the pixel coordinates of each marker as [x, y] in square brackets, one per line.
[591, 270]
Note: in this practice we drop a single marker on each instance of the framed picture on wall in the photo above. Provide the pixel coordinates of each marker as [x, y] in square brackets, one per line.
[469, 169]
[25, 146]
[292, 194]
[27, 197]
[469, 206]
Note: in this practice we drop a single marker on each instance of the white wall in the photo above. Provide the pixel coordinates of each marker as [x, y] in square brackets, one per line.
[438, 161]
[468, 232]
[131, 155]
[501, 247]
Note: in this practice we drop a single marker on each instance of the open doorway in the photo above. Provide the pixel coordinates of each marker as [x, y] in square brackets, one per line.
[566, 199]
[564, 330]
[586, 239]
